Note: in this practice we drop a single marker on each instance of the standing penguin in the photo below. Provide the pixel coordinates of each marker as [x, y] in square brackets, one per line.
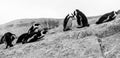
[81, 18]
[67, 24]
[107, 17]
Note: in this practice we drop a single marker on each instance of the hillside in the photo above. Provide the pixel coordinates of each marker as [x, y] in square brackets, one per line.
[24, 24]
[77, 43]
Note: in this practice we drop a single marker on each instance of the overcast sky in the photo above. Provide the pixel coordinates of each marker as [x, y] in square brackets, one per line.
[18, 9]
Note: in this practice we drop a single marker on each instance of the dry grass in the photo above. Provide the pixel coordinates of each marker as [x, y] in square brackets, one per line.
[111, 30]
[50, 24]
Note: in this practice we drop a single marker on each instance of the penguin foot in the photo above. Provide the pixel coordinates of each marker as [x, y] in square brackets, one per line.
[87, 25]
[79, 26]
[99, 23]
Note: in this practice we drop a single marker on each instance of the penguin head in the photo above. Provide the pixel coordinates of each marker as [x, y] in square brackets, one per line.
[72, 16]
[43, 32]
[76, 11]
[8, 33]
[114, 13]
[36, 24]
[67, 16]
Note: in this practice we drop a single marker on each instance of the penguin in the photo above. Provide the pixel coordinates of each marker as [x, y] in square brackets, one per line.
[67, 24]
[107, 17]
[38, 36]
[33, 28]
[25, 36]
[8, 38]
[81, 19]
[33, 31]
[21, 38]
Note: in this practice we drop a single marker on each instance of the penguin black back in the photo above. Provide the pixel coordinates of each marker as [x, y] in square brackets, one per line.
[81, 18]
[107, 17]
[65, 21]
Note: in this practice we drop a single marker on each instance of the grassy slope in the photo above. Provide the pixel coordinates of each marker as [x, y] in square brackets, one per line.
[22, 25]
[77, 43]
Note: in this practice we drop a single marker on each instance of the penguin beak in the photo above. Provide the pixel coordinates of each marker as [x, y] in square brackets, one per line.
[74, 13]
[116, 12]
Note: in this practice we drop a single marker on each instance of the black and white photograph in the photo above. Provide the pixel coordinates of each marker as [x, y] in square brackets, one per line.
[59, 29]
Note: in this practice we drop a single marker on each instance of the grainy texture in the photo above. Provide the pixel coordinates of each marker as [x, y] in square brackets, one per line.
[76, 43]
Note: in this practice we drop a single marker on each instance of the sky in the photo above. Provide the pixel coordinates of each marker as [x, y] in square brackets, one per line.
[19, 9]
